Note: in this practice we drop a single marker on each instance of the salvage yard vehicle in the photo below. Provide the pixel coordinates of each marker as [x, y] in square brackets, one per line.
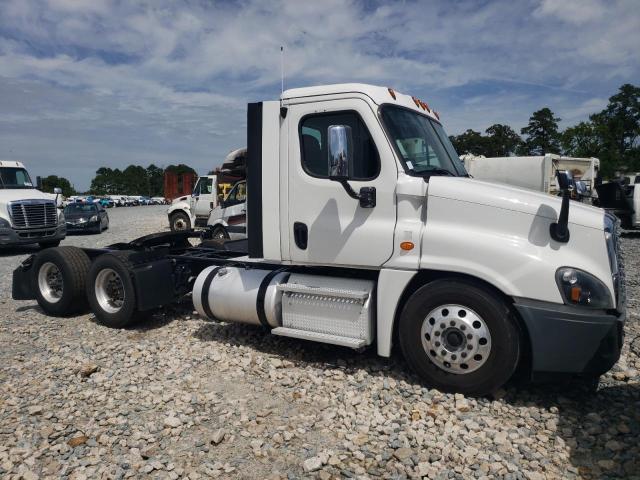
[27, 215]
[86, 217]
[193, 210]
[229, 218]
[534, 172]
[364, 229]
[621, 198]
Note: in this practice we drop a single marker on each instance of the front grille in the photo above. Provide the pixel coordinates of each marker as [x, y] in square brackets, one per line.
[33, 214]
[612, 227]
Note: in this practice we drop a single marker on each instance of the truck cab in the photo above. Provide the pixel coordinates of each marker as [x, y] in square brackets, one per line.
[27, 215]
[193, 210]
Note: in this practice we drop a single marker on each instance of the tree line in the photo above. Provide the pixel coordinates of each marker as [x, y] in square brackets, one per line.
[133, 180]
[612, 135]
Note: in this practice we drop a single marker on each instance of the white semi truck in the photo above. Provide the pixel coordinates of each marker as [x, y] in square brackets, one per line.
[364, 230]
[27, 215]
[534, 172]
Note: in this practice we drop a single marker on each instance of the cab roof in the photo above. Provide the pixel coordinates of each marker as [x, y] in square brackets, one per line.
[379, 95]
[11, 163]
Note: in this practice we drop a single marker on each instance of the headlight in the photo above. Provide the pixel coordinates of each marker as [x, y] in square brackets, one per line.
[583, 289]
[4, 223]
[94, 218]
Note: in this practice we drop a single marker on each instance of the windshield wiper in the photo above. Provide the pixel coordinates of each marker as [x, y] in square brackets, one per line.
[439, 171]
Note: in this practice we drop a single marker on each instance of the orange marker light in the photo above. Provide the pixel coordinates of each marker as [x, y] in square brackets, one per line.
[407, 246]
[575, 294]
[426, 106]
[392, 93]
[416, 101]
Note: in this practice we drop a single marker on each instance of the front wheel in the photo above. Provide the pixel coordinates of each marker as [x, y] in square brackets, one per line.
[219, 233]
[460, 337]
[179, 221]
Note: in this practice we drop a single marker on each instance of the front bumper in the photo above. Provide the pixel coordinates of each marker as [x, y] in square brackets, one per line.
[565, 339]
[82, 227]
[9, 236]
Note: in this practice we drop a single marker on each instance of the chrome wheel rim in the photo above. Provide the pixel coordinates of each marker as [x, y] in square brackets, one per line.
[50, 282]
[109, 290]
[180, 224]
[456, 339]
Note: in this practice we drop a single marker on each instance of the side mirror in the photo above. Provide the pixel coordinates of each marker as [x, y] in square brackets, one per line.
[340, 152]
[565, 180]
[57, 191]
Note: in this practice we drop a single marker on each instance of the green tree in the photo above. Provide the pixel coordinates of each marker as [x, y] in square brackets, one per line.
[501, 141]
[53, 181]
[582, 140]
[470, 142]
[155, 177]
[618, 127]
[541, 133]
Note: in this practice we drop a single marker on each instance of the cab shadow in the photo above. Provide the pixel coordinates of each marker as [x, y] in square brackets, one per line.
[600, 428]
[19, 250]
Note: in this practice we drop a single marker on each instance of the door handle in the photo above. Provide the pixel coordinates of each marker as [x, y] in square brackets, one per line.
[300, 235]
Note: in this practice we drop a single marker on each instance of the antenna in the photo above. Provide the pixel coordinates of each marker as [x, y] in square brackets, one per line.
[281, 69]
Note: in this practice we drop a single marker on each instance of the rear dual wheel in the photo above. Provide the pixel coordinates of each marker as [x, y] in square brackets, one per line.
[59, 276]
[460, 336]
[110, 290]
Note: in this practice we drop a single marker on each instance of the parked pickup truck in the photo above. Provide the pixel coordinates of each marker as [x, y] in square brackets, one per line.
[364, 229]
[27, 215]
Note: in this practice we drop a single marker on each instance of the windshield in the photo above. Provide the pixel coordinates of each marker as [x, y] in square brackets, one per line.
[421, 142]
[80, 208]
[14, 178]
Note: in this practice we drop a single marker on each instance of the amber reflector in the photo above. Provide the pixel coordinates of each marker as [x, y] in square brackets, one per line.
[392, 93]
[407, 245]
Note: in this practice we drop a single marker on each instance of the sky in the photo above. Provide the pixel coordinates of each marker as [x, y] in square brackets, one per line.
[91, 83]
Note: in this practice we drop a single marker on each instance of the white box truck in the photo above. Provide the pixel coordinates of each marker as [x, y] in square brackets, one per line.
[27, 215]
[364, 229]
[533, 172]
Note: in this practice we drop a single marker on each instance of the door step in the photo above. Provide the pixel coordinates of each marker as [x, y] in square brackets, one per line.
[319, 337]
[323, 291]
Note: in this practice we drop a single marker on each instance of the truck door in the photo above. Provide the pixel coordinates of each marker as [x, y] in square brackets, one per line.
[203, 200]
[326, 225]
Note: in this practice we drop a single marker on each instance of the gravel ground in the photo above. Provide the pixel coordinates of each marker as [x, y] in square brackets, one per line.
[181, 397]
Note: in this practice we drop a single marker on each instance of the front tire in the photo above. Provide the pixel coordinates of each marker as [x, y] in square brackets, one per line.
[460, 337]
[219, 233]
[179, 221]
[59, 275]
[110, 290]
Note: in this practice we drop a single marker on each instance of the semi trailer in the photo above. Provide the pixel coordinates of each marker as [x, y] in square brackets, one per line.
[365, 230]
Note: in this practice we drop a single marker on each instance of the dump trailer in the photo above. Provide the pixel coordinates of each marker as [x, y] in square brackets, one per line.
[534, 172]
[364, 230]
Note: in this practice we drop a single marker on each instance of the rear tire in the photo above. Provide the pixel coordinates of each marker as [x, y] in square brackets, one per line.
[59, 276]
[460, 337]
[179, 221]
[110, 290]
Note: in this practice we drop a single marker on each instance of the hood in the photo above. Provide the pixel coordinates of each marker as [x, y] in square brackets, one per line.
[500, 195]
[13, 194]
[181, 199]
